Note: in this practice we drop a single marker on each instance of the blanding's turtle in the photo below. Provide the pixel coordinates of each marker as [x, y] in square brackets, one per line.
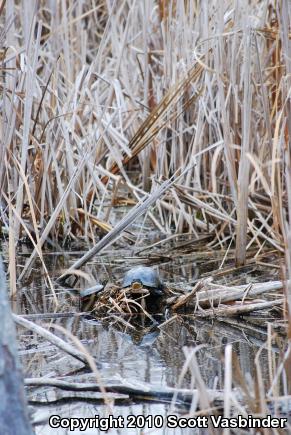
[145, 276]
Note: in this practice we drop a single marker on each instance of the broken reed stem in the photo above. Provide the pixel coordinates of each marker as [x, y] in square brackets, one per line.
[184, 299]
[227, 384]
[128, 388]
[244, 165]
[124, 223]
[52, 338]
[229, 311]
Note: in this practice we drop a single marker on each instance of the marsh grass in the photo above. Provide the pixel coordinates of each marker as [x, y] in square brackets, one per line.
[103, 101]
[93, 91]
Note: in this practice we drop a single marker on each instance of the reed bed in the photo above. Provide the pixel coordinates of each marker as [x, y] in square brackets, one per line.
[177, 109]
[101, 102]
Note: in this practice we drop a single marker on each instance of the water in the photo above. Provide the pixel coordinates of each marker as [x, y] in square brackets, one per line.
[148, 353]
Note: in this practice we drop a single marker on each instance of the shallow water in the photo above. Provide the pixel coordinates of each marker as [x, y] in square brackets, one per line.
[149, 353]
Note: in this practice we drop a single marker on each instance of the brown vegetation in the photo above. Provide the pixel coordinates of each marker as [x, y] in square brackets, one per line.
[180, 109]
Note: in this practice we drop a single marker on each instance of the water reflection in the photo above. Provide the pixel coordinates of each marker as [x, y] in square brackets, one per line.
[137, 349]
[127, 354]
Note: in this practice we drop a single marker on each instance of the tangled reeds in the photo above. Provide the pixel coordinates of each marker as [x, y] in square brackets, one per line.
[206, 300]
[79, 113]
[176, 109]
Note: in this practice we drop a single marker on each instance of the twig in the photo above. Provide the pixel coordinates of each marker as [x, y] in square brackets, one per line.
[140, 390]
[226, 311]
[124, 223]
[57, 341]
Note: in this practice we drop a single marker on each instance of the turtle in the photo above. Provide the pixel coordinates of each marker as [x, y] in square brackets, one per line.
[147, 277]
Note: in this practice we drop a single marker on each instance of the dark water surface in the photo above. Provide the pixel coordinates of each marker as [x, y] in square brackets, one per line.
[148, 353]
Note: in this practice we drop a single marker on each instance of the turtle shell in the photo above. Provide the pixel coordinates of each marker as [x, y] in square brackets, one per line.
[92, 290]
[147, 276]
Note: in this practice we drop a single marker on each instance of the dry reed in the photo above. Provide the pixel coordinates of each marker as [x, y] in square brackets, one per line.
[103, 101]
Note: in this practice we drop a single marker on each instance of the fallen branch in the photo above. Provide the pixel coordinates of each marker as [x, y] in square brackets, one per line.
[125, 222]
[138, 390]
[215, 296]
[182, 300]
[226, 311]
[57, 341]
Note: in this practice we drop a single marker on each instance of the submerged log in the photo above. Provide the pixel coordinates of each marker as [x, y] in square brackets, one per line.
[13, 409]
[138, 391]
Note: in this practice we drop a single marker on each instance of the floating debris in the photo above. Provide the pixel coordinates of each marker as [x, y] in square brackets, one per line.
[206, 299]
